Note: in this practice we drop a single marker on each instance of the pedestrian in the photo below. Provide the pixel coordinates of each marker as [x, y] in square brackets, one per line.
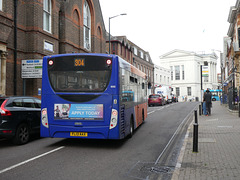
[204, 105]
[208, 99]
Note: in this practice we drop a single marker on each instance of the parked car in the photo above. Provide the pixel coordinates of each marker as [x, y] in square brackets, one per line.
[156, 99]
[19, 118]
[174, 98]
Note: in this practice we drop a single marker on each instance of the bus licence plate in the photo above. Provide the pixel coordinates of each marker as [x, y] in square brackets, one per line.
[79, 134]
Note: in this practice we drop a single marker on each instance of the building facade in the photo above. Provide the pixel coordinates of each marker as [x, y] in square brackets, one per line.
[231, 57]
[135, 55]
[45, 27]
[161, 76]
[186, 73]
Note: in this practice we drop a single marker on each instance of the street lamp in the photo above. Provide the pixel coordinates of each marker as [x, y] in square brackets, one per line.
[109, 29]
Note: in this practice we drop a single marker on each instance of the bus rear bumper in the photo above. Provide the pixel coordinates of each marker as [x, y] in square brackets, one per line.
[96, 132]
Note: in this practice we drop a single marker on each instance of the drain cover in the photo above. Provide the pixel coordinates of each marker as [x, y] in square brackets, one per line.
[144, 170]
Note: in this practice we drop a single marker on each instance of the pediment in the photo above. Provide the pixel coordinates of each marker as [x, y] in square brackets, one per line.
[177, 53]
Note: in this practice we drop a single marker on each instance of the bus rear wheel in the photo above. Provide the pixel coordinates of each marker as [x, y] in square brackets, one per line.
[131, 128]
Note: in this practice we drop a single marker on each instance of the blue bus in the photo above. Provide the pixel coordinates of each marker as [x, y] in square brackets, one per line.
[97, 96]
[216, 94]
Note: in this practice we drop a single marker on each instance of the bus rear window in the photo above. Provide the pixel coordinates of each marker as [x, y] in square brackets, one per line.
[88, 75]
[79, 81]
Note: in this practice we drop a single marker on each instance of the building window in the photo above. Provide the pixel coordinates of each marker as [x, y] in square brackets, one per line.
[177, 73]
[238, 38]
[147, 58]
[87, 26]
[47, 6]
[113, 48]
[141, 54]
[0, 5]
[189, 91]
[183, 72]
[135, 51]
[177, 91]
[171, 72]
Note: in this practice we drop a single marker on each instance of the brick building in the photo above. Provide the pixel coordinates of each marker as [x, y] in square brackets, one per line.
[135, 55]
[45, 27]
[230, 64]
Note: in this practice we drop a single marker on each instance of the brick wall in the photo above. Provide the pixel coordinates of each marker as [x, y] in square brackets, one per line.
[66, 35]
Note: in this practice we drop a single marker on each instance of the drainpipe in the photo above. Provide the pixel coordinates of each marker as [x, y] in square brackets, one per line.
[15, 50]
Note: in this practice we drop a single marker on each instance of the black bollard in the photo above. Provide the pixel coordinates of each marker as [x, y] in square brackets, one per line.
[239, 109]
[196, 117]
[195, 133]
[200, 109]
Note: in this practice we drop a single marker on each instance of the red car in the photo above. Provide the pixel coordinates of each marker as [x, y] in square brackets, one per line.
[156, 99]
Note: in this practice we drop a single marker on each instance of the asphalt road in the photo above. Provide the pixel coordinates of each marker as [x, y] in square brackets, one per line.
[150, 154]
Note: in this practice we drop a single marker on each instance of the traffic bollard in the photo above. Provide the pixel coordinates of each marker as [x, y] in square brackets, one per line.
[195, 137]
[200, 109]
[196, 117]
[239, 109]
[195, 133]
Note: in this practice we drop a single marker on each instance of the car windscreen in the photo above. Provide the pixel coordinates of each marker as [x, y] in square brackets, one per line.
[79, 73]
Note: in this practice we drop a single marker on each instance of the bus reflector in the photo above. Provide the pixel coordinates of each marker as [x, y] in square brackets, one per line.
[44, 118]
[114, 117]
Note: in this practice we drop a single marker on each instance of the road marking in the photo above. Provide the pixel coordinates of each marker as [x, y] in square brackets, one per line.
[151, 112]
[29, 160]
[213, 119]
[176, 132]
[225, 126]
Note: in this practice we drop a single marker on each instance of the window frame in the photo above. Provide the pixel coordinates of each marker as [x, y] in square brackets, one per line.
[47, 10]
[177, 91]
[177, 72]
[87, 26]
[189, 91]
[183, 73]
[1, 5]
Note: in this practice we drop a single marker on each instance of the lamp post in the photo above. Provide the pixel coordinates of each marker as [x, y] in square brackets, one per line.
[109, 30]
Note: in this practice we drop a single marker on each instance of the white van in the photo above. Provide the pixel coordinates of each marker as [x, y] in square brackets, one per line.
[166, 91]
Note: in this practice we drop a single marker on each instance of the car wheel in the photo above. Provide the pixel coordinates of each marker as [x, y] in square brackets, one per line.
[22, 134]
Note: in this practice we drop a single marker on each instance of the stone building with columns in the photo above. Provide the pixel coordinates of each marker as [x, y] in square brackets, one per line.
[185, 68]
[45, 27]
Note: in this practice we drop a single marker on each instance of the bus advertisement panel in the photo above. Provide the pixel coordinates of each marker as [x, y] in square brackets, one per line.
[98, 96]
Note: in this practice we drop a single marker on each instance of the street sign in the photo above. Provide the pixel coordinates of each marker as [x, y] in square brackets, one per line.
[205, 71]
[32, 68]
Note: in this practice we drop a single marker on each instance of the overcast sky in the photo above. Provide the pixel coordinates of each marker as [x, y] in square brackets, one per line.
[160, 26]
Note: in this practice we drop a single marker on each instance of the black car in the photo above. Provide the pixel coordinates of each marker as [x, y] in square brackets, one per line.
[19, 117]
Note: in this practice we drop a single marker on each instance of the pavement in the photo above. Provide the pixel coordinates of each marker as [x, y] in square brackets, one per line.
[218, 154]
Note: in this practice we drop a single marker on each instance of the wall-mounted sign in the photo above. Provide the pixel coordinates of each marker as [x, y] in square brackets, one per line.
[48, 46]
[32, 68]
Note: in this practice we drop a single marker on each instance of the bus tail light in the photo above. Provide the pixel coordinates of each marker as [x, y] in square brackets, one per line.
[114, 119]
[44, 118]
